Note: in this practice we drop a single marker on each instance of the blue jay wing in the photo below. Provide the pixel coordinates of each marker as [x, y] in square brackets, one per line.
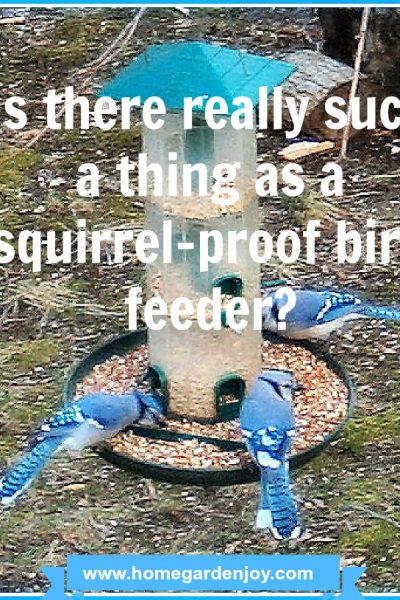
[70, 415]
[338, 305]
[268, 446]
[110, 412]
[315, 307]
[20, 476]
[62, 422]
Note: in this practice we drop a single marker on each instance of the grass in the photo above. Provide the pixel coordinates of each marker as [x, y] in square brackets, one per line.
[23, 355]
[14, 171]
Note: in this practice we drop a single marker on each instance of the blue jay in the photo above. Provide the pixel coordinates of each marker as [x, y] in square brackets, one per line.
[318, 313]
[267, 424]
[81, 424]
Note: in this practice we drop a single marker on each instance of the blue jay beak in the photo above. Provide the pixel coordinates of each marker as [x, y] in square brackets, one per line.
[161, 420]
[297, 387]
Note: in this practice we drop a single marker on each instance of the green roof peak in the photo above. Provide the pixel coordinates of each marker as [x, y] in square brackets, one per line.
[175, 70]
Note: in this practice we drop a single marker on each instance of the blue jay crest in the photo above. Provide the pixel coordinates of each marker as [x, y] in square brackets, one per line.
[56, 576]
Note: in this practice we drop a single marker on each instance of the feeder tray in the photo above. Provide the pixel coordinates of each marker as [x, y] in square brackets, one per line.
[120, 346]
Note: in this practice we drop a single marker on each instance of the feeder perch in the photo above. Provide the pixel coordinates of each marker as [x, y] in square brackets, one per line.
[202, 369]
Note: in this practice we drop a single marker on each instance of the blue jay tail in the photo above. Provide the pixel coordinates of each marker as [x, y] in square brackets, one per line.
[20, 476]
[278, 509]
[379, 312]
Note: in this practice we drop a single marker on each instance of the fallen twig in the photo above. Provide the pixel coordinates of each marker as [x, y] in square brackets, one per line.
[374, 514]
[117, 45]
[354, 83]
[302, 149]
[395, 175]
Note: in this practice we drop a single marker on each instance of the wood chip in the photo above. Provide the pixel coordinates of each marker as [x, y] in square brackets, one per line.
[12, 21]
[301, 149]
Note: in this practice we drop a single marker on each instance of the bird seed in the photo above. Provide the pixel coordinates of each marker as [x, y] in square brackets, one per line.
[319, 408]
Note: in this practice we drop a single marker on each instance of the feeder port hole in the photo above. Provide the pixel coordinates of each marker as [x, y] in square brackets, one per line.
[157, 379]
[210, 313]
[229, 393]
[231, 285]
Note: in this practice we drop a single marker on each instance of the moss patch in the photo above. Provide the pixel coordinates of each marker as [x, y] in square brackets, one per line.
[14, 171]
[370, 539]
[69, 43]
[366, 491]
[371, 430]
[22, 356]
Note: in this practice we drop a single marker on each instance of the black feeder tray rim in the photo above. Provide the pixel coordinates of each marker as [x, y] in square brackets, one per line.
[123, 343]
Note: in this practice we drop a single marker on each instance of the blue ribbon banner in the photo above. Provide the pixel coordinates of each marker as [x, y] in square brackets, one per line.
[269, 574]
[82, 569]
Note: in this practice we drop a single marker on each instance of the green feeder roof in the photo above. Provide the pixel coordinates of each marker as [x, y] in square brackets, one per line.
[173, 71]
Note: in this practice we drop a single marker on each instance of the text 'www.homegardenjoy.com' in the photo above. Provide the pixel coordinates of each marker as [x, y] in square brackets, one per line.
[203, 572]
[188, 576]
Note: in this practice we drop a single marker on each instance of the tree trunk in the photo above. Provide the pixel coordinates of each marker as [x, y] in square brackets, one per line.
[316, 78]
[382, 52]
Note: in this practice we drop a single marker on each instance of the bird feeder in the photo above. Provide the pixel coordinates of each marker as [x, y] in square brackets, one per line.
[203, 374]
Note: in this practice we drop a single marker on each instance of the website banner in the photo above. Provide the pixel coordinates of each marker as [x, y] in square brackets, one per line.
[202, 573]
